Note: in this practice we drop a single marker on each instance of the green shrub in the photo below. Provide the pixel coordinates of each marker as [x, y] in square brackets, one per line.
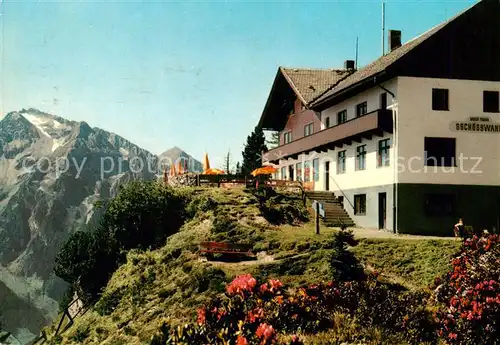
[255, 313]
[81, 334]
[141, 217]
[343, 263]
[469, 294]
[203, 278]
[279, 208]
[260, 247]
[200, 204]
[227, 229]
[108, 302]
[66, 300]
[276, 212]
[223, 224]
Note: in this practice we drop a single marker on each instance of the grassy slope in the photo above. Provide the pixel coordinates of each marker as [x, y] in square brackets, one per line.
[172, 282]
[411, 262]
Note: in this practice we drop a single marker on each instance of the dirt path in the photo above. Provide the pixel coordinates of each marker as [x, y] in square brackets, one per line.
[372, 233]
[360, 233]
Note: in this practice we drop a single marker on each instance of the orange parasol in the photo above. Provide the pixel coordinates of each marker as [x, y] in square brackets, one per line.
[172, 170]
[213, 172]
[206, 162]
[265, 170]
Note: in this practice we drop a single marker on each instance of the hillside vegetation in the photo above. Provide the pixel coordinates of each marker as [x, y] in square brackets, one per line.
[154, 287]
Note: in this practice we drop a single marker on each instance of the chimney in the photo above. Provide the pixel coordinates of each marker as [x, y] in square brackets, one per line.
[394, 39]
[349, 65]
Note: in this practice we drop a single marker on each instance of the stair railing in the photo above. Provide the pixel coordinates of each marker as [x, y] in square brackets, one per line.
[341, 191]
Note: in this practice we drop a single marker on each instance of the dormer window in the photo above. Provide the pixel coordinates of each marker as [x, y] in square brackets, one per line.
[287, 137]
[308, 129]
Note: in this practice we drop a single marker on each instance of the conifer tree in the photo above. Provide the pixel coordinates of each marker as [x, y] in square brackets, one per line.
[344, 265]
[227, 163]
[252, 154]
[274, 141]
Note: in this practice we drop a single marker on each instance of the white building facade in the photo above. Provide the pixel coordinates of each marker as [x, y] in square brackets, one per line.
[408, 143]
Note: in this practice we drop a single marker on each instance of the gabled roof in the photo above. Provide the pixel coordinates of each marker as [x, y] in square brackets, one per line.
[466, 46]
[383, 63]
[309, 83]
[377, 66]
[305, 83]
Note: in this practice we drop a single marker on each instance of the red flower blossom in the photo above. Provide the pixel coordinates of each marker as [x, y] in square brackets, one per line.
[275, 284]
[254, 315]
[264, 331]
[202, 316]
[242, 284]
[241, 340]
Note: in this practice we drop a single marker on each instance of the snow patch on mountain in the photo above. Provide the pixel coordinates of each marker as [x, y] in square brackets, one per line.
[57, 143]
[37, 122]
[124, 152]
[45, 124]
[41, 205]
[88, 207]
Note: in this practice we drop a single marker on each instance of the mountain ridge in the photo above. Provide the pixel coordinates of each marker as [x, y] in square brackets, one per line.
[52, 171]
[175, 154]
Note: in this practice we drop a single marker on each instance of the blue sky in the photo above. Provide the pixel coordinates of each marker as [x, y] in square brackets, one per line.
[190, 74]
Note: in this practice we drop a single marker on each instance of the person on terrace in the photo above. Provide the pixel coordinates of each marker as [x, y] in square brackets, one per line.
[460, 229]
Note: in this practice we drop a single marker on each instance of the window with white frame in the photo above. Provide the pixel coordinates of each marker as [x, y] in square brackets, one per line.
[316, 169]
[298, 171]
[308, 129]
[287, 137]
[307, 171]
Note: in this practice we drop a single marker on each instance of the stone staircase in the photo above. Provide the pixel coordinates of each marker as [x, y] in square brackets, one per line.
[335, 215]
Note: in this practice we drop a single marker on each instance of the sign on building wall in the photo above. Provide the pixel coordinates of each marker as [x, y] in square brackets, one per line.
[476, 124]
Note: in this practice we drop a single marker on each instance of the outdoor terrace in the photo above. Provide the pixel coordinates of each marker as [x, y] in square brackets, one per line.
[374, 123]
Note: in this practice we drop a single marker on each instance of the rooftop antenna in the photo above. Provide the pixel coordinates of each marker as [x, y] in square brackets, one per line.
[383, 27]
[357, 47]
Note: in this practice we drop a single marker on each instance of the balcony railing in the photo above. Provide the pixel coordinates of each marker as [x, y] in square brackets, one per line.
[373, 123]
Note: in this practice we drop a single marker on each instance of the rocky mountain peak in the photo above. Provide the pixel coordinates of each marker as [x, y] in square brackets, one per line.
[175, 154]
[52, 172]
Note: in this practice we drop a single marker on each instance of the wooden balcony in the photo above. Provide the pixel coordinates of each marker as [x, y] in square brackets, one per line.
[374, 123]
